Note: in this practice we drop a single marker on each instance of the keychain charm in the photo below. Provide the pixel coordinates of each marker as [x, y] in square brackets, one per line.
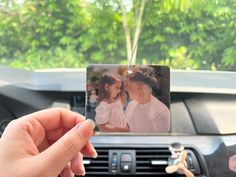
[177, 161]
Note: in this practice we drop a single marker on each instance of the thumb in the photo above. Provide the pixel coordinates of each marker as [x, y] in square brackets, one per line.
[61, 152]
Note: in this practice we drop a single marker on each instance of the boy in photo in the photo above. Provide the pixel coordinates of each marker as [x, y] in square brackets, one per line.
[145, 113]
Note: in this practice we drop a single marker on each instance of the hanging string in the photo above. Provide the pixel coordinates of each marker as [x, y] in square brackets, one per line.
[141, 28]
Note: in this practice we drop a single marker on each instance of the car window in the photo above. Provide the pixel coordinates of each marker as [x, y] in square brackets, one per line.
[196, 34]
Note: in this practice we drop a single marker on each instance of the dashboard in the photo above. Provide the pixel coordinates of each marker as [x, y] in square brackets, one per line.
[203, 110]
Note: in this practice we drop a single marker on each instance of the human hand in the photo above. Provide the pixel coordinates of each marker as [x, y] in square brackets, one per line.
[45, 144]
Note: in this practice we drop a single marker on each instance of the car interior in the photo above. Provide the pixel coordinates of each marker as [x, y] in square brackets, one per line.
[203, 109]
[45, 47]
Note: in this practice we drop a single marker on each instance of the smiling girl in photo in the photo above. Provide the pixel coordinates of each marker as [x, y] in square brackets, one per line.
[110, 115]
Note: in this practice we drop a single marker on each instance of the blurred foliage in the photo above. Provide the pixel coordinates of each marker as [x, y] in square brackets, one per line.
[184, 34]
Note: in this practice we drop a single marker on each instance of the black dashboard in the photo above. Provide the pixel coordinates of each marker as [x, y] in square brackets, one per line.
[202, 120]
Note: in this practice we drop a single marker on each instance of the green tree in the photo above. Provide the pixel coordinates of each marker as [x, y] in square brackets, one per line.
[206, 29]
[189, 34]
[63, 34]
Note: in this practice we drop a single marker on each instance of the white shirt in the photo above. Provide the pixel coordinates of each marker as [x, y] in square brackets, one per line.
[152, 117]
[110, 113]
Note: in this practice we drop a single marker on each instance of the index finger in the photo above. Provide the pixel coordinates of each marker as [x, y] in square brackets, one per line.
[54, 118]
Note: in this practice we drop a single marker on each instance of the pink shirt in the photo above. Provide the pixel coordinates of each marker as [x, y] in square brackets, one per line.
[110, 113]
[152, 117]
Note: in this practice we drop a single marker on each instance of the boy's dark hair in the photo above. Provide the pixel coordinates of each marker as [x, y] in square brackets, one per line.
[108, 79]
[144, 74]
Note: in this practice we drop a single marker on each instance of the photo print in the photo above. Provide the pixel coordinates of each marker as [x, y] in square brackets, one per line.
[135, 99]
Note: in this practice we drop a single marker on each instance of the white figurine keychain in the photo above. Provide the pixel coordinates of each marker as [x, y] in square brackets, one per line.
[178, 159]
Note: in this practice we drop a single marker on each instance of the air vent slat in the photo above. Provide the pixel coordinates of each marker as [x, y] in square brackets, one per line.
[152, 150]
[102, 156]
[152, 156]
[101, 150]
[96, 173]
[99, 162]
[151, 168]
[143, 162]
[149, 173]
[97, 167]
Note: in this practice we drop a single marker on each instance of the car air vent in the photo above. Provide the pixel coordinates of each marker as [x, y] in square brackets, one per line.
[146, 162]
[99, 166]
[151, 161]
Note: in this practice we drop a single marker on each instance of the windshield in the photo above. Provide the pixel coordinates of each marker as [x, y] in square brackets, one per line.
[183, 34]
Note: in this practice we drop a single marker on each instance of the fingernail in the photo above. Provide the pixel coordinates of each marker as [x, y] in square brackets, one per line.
[95, 155]
[81, 168]
[83, 173]
[86, 128]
